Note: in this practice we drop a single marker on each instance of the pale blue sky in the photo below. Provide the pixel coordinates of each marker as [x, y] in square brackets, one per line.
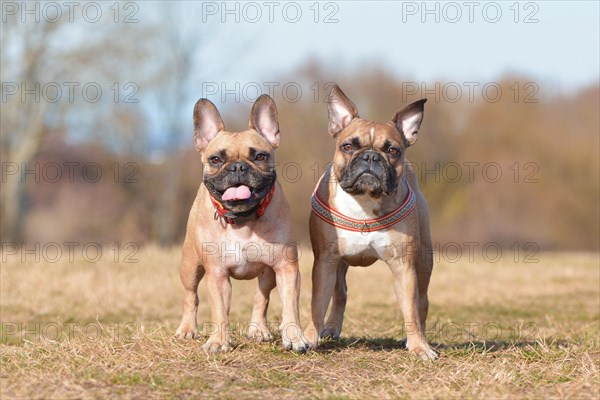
[560, 49]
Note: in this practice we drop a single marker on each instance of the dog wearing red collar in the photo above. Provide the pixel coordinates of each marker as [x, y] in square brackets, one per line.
[239, 227]
[366, 207]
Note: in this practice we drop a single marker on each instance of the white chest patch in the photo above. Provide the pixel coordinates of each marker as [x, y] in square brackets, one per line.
[370, 245]
[374, 244]
[358, 207]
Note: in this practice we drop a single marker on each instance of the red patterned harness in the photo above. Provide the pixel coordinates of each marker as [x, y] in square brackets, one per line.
[339, 220]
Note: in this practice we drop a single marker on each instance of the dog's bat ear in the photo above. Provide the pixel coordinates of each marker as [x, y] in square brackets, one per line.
[341, 110]
[207, 123]
[263, 119]
[408, 120]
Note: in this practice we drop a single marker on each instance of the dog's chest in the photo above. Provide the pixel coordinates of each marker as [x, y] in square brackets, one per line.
[361, 248]
[364, 249]
[241, 253]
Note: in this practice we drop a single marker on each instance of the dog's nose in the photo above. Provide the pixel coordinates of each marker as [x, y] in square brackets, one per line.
[371, 156]
[238, 166]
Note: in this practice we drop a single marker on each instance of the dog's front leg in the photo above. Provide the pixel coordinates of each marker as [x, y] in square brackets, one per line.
[219, 293]
[333, 326]
[191, 273]
[407, 291]
[288, 280]
[323, 282]
[259, 330]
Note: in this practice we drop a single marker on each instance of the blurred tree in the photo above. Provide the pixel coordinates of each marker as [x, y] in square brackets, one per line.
[44, 66]
[149, 71]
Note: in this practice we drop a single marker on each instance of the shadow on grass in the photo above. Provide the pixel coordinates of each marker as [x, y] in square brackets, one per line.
[388, 344]
[488, 346]
[375, 344]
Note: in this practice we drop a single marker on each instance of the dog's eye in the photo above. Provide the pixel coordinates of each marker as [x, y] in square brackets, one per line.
[214, 160]
[261, 157]
[394, 152]
[347, 147]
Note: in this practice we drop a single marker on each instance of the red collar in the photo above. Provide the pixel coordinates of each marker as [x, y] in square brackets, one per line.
[364, 226]
[222, 212]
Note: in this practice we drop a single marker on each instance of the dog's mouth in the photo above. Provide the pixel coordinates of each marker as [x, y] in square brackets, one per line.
[240, 194]
[368, 173]
[363, 177]
[369, 182]
[237, 193]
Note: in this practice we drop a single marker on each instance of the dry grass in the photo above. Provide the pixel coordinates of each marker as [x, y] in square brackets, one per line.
[504, 330]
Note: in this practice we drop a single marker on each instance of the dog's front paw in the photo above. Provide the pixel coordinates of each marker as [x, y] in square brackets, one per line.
[333, 332]
[186, 331]
[312, 337]
[215, 346]
[293, 339]
[299, 345]
[259, 333]
[424, 352]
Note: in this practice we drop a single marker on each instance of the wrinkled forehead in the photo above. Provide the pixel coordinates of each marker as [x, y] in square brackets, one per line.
[238, 143]
[370, 132]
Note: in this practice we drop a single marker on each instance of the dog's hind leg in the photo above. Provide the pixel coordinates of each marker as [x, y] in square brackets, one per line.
[191, 273]
[259, 330]
[333, 326]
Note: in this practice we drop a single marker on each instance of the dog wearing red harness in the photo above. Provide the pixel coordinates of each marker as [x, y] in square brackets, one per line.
[368, 207]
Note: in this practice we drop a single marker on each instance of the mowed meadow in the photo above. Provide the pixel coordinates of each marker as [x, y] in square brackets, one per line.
[504, 329]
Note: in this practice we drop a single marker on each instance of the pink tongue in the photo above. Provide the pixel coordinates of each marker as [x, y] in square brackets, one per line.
[237, 193]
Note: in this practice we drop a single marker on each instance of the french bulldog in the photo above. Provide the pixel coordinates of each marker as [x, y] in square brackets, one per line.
[366, 207]
[239, 227]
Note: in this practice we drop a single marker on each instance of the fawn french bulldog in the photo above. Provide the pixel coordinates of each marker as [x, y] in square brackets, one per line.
[239, 227]
[367, 207]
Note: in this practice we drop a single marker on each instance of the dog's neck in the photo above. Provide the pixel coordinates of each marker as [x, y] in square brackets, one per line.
[364, 206]
[224, 215]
